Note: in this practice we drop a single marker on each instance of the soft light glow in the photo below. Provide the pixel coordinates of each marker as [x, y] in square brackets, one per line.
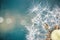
[8, 24]
[9, 20]
[1, 19]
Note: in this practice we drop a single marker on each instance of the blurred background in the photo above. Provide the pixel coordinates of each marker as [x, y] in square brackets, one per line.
[14, 15]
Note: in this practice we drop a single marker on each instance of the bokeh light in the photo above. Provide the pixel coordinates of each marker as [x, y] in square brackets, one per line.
[1, 19]
[29, 19]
